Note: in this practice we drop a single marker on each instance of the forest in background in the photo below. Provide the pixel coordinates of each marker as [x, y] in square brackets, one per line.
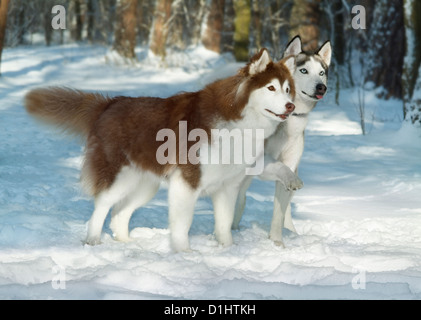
[385, 48]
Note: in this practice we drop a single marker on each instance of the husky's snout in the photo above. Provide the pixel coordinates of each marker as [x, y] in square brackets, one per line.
[290, 107]
[320, 90]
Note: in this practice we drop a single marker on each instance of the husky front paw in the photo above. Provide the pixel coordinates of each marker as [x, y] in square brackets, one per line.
[180, 243]
[282, 173]
[292, 182]
[277, 171]
[93, 241]
[224, 240]
[277, 239]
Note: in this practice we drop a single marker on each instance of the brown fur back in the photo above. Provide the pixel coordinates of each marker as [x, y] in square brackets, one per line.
[72, 110]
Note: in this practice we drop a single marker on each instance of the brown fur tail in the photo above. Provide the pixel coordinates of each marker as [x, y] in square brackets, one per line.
[72, 110]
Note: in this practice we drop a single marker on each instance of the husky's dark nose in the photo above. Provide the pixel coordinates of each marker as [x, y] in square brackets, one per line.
[321, 89]
[290, 107]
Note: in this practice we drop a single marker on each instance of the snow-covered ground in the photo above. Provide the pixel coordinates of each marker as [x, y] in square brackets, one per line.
[358, 217]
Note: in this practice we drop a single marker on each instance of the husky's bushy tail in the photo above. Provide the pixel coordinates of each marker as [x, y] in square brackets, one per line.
[72, 110]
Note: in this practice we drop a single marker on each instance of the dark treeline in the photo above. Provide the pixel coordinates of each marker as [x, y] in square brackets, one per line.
[387, 52]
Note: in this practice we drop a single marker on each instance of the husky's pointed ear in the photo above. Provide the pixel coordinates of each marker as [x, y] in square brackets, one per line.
[289, 62]
[294, 47]
[259, 62]
[325, 52]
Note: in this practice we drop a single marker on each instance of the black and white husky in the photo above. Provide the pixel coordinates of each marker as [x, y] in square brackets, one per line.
[287, 144]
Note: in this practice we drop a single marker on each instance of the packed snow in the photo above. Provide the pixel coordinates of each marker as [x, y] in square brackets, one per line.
[358, 217]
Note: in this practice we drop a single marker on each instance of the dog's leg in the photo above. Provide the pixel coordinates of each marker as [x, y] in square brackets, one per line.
[123, 211]
[280, 204]
[241, 202]
[288, 224]
[95, 224]
[224, 206]
[181, 199]
[123, 185]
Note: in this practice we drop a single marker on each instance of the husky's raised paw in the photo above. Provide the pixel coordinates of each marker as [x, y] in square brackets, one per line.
[292, 182]
[277, 171]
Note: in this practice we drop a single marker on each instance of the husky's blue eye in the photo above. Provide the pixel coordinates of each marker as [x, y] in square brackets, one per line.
[322, 73]
[303, 71]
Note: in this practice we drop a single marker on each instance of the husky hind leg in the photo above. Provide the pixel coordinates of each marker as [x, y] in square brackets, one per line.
[126, 181]
[103, 204]
[122, 212]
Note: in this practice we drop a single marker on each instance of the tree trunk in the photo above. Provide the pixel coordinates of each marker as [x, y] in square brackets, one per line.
[145, 20]
[4, 4]
[255, 27]
[305, 16]
[90, 12]
[22, 23]
[211, 35]
[177, 29]
[125, 31]
[339, 26]
[47, 16]
[242, 29]
[228, 28]
[411, 78]
[77, 21]
[386, 48]
[160, 27]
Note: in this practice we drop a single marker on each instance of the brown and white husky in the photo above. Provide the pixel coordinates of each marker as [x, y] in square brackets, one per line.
[123, 165]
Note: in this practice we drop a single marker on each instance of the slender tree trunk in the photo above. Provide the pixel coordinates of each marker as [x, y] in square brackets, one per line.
[90, 12]
[255, 27]
[177, 26]
[386, 52]
[196, 19]
[228, 28]
[211, 35]
[144, 20]
[411, 78]
[22, 23]
[48, 30]
[77, 25]
[125, 31]
[242, 29]
[160, 27]
[4, 4]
